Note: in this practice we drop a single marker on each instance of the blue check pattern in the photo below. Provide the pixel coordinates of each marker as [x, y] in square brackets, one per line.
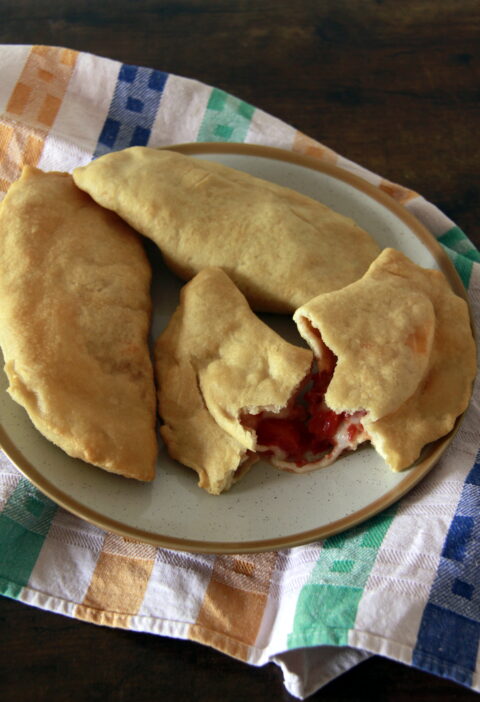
[449, 634]
[133, 109]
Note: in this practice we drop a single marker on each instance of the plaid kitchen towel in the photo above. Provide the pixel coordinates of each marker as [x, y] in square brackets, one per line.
[405, 584]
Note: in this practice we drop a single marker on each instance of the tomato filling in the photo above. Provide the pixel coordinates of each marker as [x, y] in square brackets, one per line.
[308, 429]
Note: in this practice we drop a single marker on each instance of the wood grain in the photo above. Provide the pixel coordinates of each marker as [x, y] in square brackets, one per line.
[392, 85]
[54, 658]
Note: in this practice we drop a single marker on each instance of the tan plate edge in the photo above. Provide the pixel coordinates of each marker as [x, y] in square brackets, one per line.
[412, 475]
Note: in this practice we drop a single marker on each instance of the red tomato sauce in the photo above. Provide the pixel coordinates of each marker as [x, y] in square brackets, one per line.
[309, 427]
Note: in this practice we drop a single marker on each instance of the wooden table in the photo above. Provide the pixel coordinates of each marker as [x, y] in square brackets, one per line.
[392, 85]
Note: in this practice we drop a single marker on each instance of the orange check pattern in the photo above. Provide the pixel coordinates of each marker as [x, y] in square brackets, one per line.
[32, 108]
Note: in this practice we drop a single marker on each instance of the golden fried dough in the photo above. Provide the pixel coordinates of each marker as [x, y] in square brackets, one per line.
[405, 354]
[74, 319]
[216, 362]
[280, 248]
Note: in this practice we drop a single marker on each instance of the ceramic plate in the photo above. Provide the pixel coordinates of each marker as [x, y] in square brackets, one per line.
[267, 509]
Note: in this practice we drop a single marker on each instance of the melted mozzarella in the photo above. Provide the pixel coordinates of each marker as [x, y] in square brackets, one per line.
[341, 442]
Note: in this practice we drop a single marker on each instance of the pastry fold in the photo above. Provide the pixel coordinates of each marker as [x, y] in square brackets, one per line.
[216, 364]
[74, 320]
[279, 247]
[405, 354]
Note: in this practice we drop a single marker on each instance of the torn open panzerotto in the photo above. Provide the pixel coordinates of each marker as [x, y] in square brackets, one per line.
[400, 358]
[279, 247]
[217, 362]
[394, 365]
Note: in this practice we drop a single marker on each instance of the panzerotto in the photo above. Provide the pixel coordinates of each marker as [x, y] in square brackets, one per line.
[279, 247]
[74, 322]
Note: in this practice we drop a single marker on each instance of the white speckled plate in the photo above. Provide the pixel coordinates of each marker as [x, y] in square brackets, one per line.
[268, 509]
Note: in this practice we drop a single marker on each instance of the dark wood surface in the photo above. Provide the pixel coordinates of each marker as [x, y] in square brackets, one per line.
[394, 85]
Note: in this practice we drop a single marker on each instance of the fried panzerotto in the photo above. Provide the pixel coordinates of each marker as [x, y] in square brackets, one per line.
[400, 356]
[394, 365]
[280, 248]
[74, 321]
[217, 364]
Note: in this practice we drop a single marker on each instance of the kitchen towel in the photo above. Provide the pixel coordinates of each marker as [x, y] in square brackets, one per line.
[405, 584]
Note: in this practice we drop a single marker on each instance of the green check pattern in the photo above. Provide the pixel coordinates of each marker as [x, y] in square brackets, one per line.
[24, 525]
[462, 252]
[226, 118]
[328, 603]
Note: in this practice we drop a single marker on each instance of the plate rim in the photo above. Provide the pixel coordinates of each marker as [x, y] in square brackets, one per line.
[414, 475]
